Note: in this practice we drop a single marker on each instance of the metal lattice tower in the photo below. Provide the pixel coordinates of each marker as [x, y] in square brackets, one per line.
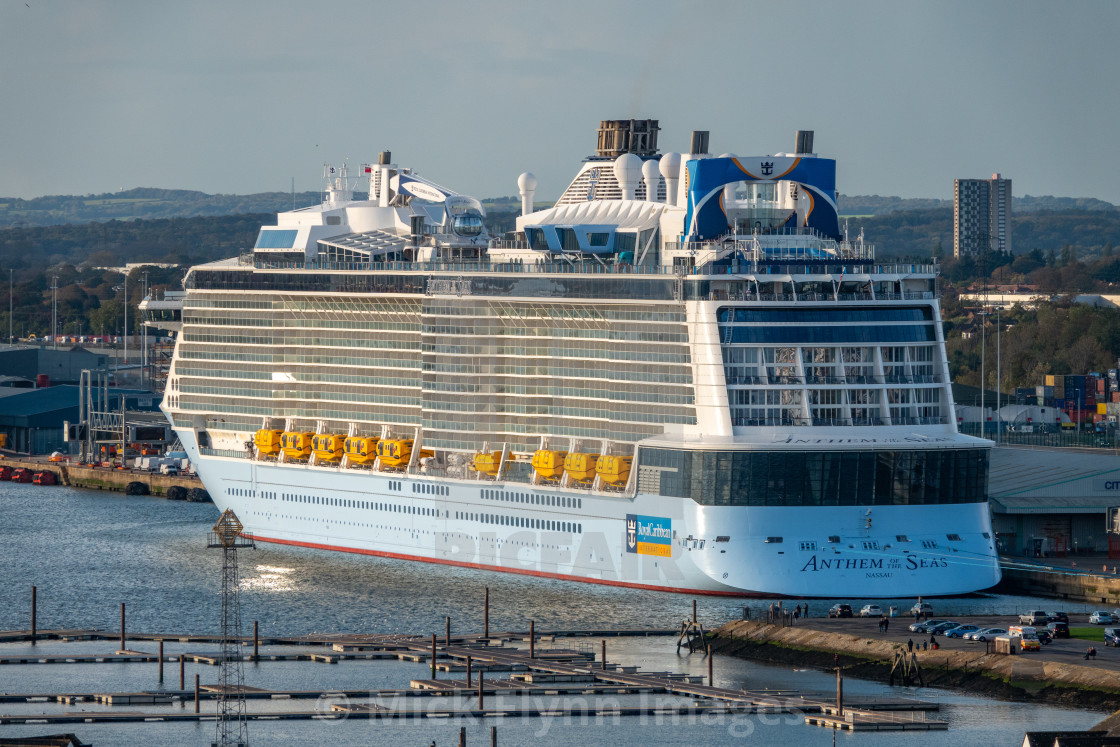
[232, 728]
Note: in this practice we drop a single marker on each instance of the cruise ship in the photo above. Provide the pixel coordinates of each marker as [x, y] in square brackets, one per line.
[683, 376]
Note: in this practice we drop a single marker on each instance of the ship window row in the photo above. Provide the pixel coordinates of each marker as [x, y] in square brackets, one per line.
[527, 436]
[793, 478]
[536, 499]
[424, 488]
[598, 411]
[257, 374]
[307, 394]
[871, 334]
[220, 407]
[546, 285]
[659, 333]
[634, 373]
[622, 332]
[249, 322]
[663, 394]
[510, 312]
[523, 522]
[482, 419]
[392, 508]
[323, 340]
[824, 316]
[617, 352]
[388, 358]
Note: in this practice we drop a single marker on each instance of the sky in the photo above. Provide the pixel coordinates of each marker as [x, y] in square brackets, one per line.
[245, 96]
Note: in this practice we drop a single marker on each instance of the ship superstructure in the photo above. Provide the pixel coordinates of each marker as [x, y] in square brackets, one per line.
[681, 376]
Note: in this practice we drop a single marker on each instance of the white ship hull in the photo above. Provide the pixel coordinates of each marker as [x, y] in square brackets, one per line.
[768, 550]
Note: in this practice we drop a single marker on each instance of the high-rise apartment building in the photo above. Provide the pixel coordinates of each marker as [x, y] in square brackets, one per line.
[981, 216]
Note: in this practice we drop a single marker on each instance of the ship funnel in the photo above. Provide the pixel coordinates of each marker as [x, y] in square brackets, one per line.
[804, 141]
[699, 143]
[527, 186]
[384, 158]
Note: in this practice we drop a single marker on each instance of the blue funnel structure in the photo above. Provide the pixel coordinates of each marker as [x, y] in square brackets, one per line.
[706, 217]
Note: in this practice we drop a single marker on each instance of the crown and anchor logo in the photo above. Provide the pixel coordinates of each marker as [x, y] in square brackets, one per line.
[767, 168]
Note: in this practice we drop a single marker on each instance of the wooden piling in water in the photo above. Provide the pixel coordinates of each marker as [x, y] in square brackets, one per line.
[182, 672]
[462, 736]
[123, 647]
[480, 689]
[493, 736]
[532, 641]
[196, 693]
[693, 610]
[468, 671]
[603, 654]
[434, 656]
[711, 681]
[161, 661]
[839, 693]
[447, 632]
[33, 629]
[486, 614]
[256, 642]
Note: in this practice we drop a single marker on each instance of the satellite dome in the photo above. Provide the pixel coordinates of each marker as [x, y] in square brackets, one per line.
[670, 165]
[628, 168]
[527, 181]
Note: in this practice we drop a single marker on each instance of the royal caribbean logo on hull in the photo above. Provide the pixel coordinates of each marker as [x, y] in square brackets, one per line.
[649, 535]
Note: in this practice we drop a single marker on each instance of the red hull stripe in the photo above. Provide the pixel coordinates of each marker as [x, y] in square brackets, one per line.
[522, 571]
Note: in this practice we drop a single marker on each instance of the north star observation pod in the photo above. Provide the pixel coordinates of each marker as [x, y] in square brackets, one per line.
[811, 202]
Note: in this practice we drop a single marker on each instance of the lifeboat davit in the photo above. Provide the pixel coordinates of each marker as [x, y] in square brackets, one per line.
[549, 464]
[613, 470]
[328, 447]
[580, 467]
[397, 452]
[488, 462]
[268, 441]
[296, 444]
[361, 449]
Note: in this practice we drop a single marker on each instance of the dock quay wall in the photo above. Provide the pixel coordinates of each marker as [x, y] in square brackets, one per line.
[104, 478]
[1021, 678]
[1094, 588]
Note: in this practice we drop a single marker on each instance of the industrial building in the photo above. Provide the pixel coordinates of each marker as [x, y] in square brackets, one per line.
[32, 419]
[981, 216]
[59, 366]
[1053, 502]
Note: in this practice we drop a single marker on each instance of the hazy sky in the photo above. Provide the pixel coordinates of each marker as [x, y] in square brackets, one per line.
[239, 97]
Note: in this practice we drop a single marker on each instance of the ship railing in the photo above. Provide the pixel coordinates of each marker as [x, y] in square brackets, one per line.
[229, 453]
[590, 267]
[838, 380]
[800, 421]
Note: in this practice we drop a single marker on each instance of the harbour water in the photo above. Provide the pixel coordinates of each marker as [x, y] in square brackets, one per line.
[88, 551]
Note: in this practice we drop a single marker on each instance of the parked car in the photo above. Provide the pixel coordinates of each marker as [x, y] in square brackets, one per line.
[942, 627]
[168, 469]
[1058, 629]
[871, 610]
[1100, 617]
[984, 634]
[961, 631]
[840, 610]
[1034, 617]
[923, 627]
[1058, 617]
[1112, 637]
[1029, 643]
[925, 609]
